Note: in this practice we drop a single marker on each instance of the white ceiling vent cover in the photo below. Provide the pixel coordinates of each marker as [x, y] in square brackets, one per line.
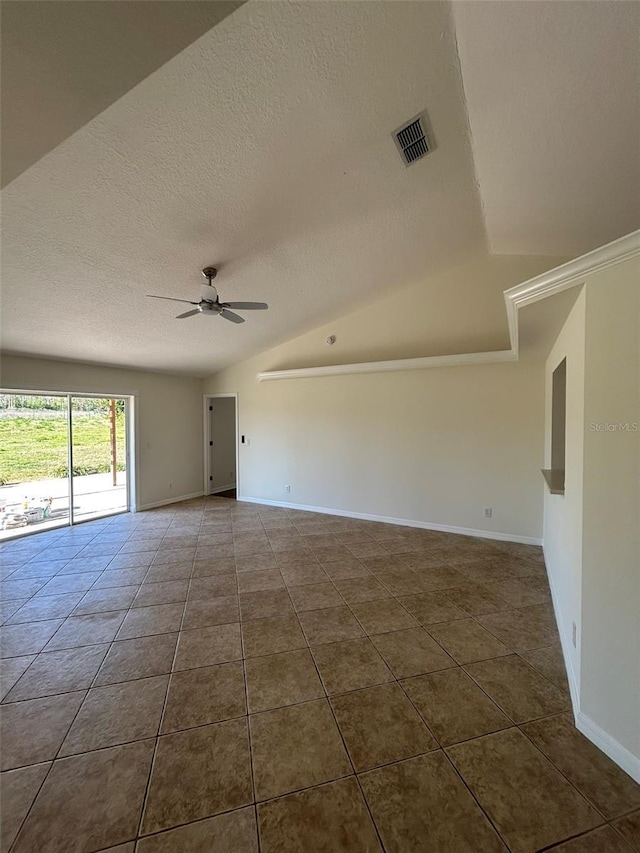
[412, 140]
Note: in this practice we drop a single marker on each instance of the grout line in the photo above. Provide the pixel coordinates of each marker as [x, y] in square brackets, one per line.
[561, 772]
[250, 745]
[29, 810]
[475, 799]
[347, 753]
[152, 764]
[203, 516]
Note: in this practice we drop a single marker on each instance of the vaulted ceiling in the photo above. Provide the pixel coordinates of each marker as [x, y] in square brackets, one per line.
[258, 138]
[553, 93]
[64, 62]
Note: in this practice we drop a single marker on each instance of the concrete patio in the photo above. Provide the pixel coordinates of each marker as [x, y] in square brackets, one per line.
[94, 496]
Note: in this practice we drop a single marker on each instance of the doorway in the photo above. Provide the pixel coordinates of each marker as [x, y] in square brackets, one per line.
[221, 444]
[99, 469]
[64, 459]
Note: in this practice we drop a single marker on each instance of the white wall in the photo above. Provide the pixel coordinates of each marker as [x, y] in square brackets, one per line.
[610, 678]
[168, 411]
[591, 533]
[222, 431]
[563, 513]
[433, 446]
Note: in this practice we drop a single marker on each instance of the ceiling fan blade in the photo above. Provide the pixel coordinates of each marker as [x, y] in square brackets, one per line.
[191, 313]
[229, 315]
[171, 299]
[246, 306]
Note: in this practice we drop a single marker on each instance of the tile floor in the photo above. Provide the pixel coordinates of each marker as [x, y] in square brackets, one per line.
[227, 677]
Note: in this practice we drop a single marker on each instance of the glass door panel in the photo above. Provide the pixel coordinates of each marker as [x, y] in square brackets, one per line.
[99, 456]
[34, 463]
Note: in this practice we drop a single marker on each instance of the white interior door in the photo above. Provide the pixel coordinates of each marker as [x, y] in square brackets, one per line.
[222, 463]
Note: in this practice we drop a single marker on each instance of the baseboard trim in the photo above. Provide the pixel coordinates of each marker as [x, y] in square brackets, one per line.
[168, 501]
[609, 745]
[597, 735]
[404, 522]
[565, 645]
[222, 489]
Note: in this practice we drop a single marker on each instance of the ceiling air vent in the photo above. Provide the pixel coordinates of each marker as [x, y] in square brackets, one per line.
[411, 139]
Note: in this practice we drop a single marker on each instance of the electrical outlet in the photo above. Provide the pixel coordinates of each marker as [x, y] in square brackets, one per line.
[488, 512]
[170, 486]
[230, 476]
[287, 488]
[574, 634]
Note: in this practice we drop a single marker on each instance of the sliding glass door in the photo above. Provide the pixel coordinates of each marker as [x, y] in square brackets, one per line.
[34, 463]
[46, 437]
[98, 456]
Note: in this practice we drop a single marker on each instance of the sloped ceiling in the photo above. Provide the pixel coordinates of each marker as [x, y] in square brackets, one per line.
[63, 62]
[264, 147]
[553, 93]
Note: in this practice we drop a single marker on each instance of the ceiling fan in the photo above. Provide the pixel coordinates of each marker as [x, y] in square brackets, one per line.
[210, 302]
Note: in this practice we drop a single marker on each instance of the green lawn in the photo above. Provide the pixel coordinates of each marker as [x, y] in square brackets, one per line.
[36, 448]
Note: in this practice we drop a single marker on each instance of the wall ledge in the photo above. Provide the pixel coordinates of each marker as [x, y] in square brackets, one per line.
[547, 284]
[388, 366]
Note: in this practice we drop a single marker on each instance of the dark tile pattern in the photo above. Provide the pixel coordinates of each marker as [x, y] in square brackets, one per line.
[601, 781]
[18, 790]
[232, 832]
[517, 688]
[207, 694]
[331, 818]
[118, 713]
[380, 725]
[499, 767]
[421, 804]
[454, 707]
[198, 773]
[32, 731]
[285, 679]
[601, 840]
[296, 747]
[223, 676]
[89, 801]
[629, 829]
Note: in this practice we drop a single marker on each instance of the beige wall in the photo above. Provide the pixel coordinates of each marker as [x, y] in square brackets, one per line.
[169, 445]
[432, 446]
[460, 310]
[610, 677]
[591, 533]
[563, 513]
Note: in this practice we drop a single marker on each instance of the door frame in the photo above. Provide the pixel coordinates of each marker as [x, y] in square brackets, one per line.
[207, 438]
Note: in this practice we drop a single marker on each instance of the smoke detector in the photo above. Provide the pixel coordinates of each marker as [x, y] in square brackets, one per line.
[412, 139]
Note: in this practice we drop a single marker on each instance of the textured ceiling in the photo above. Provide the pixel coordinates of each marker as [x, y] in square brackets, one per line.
[264, 148]
[64, 62]
[553, 93]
